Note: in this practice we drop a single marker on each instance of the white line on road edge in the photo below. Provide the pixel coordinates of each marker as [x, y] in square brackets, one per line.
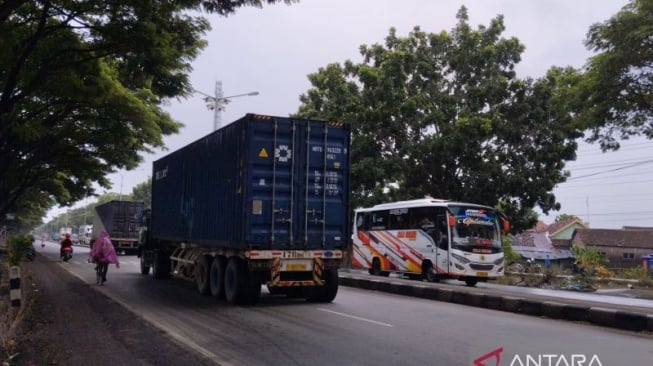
[184, 341]
[357, 318]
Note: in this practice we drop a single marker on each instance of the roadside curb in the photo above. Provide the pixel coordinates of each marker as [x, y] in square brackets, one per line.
[602, 316]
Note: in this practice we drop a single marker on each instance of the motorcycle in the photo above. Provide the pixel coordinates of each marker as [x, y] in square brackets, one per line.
[42, 243]
[66, 253]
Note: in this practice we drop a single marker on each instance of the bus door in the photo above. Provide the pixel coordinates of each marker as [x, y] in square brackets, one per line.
[442, 241]
[430, 223]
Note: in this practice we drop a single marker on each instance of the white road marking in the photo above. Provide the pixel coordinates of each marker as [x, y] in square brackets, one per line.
[357, 318]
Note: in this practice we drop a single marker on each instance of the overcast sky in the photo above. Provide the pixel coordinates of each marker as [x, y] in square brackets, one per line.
[272, 50]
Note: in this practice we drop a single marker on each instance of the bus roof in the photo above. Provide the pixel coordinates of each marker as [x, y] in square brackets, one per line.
[422, 202]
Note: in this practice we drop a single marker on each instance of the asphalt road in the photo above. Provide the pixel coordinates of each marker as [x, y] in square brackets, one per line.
[359, 328]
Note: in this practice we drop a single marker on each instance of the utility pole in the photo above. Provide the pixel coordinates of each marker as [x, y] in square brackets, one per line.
[219, 105]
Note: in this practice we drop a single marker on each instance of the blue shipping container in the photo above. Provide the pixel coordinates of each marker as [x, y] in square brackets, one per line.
[261, 183]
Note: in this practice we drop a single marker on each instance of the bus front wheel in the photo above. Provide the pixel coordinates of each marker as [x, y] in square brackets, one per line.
[471, 282]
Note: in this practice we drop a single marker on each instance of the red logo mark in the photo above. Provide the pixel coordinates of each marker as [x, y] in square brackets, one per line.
[496, 354]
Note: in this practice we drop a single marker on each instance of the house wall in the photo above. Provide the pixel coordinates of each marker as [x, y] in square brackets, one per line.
[622, 257]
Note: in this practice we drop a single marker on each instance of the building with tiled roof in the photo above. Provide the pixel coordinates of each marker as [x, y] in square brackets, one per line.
[561, 232]
[624, 248]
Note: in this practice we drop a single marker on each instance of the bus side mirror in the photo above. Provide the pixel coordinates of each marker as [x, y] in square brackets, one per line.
[506, 225]
[452, 221]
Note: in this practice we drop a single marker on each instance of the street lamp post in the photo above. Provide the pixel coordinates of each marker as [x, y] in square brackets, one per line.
[217, 102]
[120, 196]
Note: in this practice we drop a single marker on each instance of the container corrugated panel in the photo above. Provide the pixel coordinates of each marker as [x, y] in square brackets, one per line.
[121, 219]
[261, 182]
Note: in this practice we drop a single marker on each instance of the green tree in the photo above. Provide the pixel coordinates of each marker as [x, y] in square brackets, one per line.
[566, 217]
[445, 115]
[143, 192]
[82, 84]
[615, 97]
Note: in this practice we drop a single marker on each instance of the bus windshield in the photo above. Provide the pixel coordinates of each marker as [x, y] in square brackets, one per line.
[476, 230]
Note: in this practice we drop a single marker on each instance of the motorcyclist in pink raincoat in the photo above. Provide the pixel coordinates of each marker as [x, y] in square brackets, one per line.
[104, 253]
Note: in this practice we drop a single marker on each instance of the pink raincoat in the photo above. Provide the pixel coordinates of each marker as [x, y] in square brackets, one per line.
[103, 251]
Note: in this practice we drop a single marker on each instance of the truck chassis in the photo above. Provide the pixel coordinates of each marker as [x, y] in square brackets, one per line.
[237, 276]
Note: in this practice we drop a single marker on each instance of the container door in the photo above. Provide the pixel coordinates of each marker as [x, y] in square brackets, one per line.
[299, 184]
[322, 209]
[272, 192]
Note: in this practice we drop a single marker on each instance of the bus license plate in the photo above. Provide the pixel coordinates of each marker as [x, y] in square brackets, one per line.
[481, 274]
[297, 265]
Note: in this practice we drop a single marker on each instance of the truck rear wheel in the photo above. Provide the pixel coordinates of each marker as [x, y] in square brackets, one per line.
[253, 290]
[145, 269]
[161, 269]
[326, 292]
[202, 267]
[216, 276]
[234, 281]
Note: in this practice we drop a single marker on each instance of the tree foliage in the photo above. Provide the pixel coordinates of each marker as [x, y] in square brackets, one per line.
[616, 97]
[566, 217]
[82, 84]
[143, 192]
[445, 115]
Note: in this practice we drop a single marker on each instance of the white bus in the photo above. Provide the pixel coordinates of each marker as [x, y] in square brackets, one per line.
[430, 239]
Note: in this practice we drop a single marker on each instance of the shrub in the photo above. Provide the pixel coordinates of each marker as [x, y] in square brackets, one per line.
[17, 246]
[601, 271]
[635, 273]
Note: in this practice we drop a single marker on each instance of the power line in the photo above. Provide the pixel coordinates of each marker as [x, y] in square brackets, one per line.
[639, 163]
[604, 183]
[604, 164]
[593, 152]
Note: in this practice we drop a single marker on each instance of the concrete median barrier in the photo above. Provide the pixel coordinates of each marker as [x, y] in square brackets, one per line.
[602, 316]
[575, 312]
[400, 288]
[552, 309]
[492, 302]
[511, 304]
[531, 307]
[445, 295]
[630, 321]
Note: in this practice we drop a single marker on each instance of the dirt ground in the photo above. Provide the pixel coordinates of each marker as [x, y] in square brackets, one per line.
[72, 324]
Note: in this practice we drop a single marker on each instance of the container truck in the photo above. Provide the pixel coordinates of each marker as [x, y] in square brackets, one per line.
[84, 234]
[261, 201]
[121, 220]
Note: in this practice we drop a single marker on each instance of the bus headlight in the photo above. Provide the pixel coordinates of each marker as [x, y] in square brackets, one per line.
[460, 258]
[499, 261]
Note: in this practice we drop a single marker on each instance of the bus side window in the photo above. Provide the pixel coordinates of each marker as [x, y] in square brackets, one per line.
[379, 220]
[398, 221]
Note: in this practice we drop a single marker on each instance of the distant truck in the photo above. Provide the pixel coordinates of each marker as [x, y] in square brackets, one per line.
[262, 201]
[121, 220]
[65, 230]
[84, 233]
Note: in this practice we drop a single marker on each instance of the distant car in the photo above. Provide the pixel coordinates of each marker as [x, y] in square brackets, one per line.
[75, 239]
